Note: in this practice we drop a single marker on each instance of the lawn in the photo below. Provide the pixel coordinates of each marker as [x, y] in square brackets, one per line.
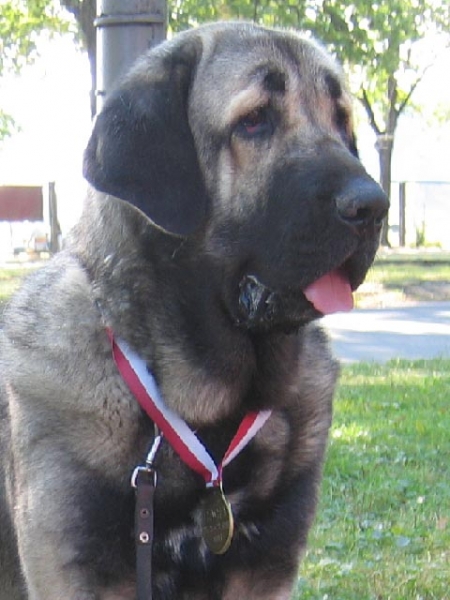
[399, 275]
[396, 278]
[383, 526]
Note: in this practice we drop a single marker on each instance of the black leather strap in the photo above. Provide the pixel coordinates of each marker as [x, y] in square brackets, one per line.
[143, 527]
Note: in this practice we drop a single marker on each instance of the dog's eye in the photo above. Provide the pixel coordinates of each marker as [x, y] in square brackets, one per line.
[256, 124]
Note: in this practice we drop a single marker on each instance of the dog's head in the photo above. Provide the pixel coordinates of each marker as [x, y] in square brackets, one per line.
[241, 139]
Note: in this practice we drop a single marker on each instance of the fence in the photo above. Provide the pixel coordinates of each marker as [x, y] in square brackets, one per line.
[420, 213]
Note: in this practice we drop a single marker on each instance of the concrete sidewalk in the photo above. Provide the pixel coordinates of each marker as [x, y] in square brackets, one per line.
[411, 332]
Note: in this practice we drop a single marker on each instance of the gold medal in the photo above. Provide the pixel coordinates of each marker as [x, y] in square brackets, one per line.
[216, 520]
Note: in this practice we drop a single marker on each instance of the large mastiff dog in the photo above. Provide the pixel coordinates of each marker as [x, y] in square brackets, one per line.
[227, 211]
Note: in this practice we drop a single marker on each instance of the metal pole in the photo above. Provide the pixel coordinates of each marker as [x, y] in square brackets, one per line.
[125, 30]
[55, 229]
[402, 214]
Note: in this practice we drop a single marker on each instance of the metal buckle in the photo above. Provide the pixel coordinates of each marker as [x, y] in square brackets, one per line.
[148, 467]
[141, 469]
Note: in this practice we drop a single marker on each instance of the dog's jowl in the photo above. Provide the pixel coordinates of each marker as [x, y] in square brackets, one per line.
[227, 210]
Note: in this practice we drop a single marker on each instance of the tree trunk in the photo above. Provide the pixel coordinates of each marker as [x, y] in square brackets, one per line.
[87, 26]
[84, 12]
[385, 146]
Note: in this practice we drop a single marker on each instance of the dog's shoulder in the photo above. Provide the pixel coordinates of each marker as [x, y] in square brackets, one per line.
[49, 327]
[58, 289]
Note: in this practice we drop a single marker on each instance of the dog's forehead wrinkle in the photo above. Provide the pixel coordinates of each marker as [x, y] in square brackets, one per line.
[244, 102]
[246, 75]
[276, 55]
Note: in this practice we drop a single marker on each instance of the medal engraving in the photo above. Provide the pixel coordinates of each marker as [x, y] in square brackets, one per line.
[216, 520]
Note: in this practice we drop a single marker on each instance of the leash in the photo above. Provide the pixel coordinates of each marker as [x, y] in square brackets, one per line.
[216, 517]
[144, 480]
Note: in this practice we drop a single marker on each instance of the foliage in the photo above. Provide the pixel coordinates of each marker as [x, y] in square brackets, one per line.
[7, 125]
[383, 527]
[21, 23]
[380, 42]
[188, 13]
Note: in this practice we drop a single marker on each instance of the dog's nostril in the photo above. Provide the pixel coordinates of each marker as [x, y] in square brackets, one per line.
[356, 214]
[361, 203]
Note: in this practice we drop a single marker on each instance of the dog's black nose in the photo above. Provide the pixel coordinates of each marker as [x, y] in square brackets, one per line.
[362, 203]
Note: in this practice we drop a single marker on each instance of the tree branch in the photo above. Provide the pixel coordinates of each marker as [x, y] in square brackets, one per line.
[73, 6]
[368, 107]
[412, 89]
[295, 8]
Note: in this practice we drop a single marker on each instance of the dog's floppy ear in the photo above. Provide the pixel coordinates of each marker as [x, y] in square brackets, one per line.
[142, 149]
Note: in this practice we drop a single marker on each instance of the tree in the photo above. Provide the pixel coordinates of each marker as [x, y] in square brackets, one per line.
[21, 23]
[188, 13]
[379, 41]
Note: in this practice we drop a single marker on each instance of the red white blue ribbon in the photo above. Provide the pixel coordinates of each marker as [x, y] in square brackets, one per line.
[177, 432]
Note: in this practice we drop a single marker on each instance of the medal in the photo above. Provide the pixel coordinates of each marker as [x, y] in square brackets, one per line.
[216, 520]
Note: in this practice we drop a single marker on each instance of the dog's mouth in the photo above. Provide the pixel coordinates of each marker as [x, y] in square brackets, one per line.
[263, 308]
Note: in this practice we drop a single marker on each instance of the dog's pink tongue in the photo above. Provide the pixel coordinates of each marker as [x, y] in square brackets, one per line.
[331, 293]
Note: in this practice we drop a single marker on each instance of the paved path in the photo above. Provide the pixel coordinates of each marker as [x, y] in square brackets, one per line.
[420, 331]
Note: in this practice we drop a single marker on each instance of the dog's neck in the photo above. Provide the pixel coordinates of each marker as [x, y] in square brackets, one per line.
[205, 377]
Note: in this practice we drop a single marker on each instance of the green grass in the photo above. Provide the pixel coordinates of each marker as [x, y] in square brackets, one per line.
[397, 274]
[396, 278]
[412, 256]
[383, 526]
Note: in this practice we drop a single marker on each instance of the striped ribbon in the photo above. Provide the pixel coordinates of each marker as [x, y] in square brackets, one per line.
[179, 435]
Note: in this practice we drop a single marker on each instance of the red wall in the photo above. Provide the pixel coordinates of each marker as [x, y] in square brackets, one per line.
[21, 203]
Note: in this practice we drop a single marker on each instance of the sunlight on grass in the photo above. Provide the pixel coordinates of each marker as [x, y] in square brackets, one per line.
[349, 433]
[395, 274]
[383, 526]
[395, 279]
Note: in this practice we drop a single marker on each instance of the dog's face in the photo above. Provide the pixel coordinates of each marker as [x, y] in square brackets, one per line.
[240, 140]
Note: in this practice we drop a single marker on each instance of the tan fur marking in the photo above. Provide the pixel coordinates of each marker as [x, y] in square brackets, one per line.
[245, 102]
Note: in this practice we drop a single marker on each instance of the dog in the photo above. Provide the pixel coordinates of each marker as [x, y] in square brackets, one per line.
[227, 211]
